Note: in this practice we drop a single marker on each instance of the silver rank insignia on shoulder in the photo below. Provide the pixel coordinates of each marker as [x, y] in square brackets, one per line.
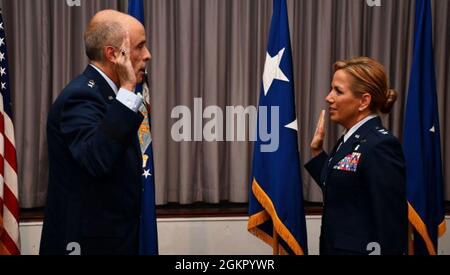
[91, 84]
[383, 131]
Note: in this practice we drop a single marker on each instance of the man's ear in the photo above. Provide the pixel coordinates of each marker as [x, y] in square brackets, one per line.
[366, 100]
[110, 54]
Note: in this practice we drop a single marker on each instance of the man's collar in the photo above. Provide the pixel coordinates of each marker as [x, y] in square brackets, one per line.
[108, 80]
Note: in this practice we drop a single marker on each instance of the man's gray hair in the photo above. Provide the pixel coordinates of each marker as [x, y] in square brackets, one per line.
[99, 35]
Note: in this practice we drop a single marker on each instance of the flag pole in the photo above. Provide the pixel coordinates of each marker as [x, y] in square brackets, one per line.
[410, 240]
[276, 242]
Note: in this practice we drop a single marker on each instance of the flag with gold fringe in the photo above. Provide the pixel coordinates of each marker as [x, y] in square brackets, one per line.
[276, 198]
[422, 142]
[148, 241]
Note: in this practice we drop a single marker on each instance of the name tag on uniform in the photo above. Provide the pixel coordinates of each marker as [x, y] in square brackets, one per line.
[349, 163]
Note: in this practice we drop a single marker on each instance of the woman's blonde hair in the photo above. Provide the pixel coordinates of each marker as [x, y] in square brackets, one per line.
[370, 77]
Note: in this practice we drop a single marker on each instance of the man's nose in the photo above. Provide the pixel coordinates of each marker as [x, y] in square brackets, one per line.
[147, 55]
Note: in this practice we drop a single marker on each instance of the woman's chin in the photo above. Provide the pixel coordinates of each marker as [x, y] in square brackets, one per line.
[333, 118]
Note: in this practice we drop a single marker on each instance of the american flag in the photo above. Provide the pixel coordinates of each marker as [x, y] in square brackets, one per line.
[9, 200]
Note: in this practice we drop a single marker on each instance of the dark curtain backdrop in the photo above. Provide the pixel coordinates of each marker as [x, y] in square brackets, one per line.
[214, 50]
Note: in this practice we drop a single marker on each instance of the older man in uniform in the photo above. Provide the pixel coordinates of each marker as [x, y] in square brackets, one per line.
[94, 195]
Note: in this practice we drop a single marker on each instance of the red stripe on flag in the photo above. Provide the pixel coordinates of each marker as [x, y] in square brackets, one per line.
[11, 202]
[9, 244]
[1, 214]
[10, 154]
[2, 166]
